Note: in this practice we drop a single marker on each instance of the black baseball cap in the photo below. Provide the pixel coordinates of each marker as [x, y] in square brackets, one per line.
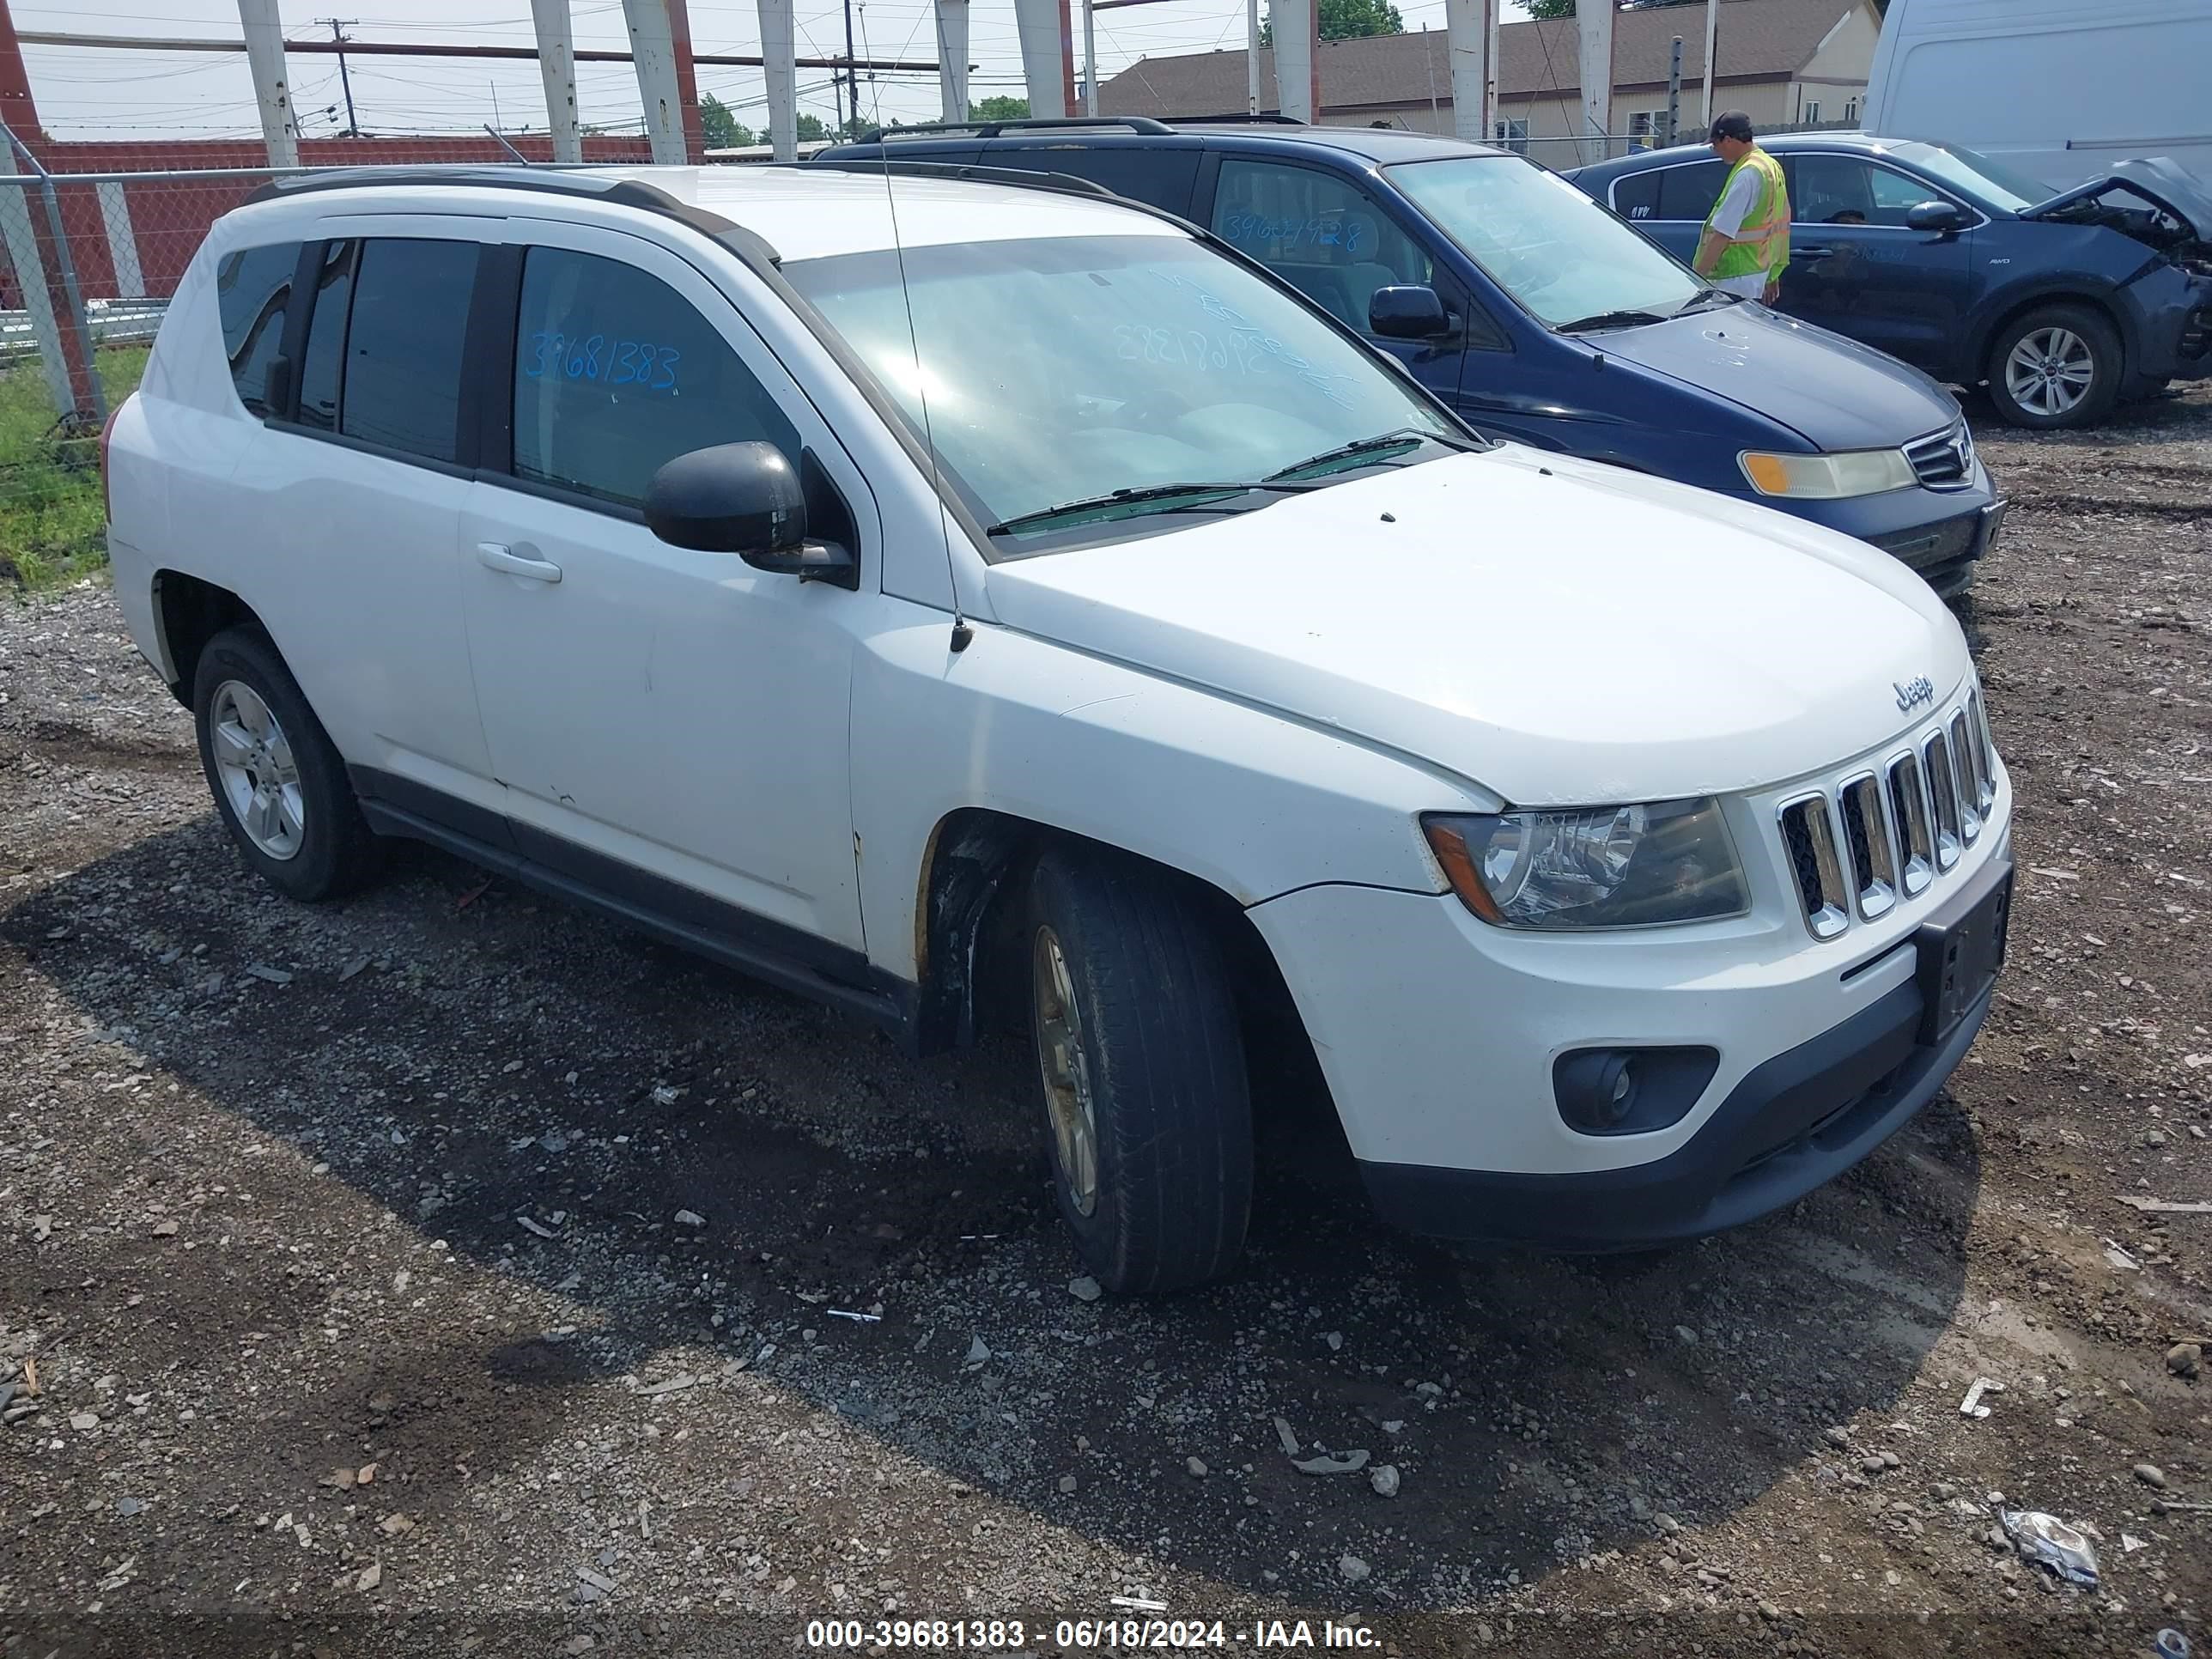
[1731, 124]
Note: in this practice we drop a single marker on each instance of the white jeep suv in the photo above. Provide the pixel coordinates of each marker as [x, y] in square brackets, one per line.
[906, 589]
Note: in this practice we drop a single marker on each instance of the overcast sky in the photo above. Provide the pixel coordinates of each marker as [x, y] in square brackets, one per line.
[85, 92]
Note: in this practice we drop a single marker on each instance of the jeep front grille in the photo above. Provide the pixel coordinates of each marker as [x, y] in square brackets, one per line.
[1891, 826]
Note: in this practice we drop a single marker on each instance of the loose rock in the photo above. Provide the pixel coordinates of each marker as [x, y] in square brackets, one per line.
[2151, 1475]
[1384, 1477]
[1084, 1289]
[1352, 1568]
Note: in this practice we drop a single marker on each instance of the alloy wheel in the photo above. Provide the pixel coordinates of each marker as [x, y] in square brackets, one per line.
[2049, 371]
[254, 764]
[1065, 1074]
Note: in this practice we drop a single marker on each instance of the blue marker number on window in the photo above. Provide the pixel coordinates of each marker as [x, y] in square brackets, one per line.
[601, 360]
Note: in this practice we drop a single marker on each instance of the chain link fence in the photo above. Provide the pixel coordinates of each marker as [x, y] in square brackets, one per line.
[91, 252]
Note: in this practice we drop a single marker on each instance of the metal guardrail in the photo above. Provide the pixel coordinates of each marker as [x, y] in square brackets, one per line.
[110, 322]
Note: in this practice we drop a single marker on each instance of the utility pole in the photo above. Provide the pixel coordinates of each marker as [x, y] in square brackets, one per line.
[852, 78]
[337, 34]
[1713, 32]
[1674, 93]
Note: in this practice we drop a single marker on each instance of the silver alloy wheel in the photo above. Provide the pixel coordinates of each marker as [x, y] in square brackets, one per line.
[253, 761]
[1067, 1074]
[2049, 371]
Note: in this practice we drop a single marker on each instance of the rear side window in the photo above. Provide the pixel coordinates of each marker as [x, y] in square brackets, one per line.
[401, 383]
[1689, 192]
[615, 373]
[322, 367]
[1159, 175]
[1635, 196]
[253, 288]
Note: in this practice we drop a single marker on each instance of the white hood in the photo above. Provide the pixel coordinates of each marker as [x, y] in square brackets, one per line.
[1559, 632]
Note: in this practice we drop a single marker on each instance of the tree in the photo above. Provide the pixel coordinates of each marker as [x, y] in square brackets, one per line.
[1348, 20]
[723, 129]
[812, 129]
[999, 109]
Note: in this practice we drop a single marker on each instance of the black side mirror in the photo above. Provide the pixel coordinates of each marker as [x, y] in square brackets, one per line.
[1940, 217]
[744, 499]
[1407, 312]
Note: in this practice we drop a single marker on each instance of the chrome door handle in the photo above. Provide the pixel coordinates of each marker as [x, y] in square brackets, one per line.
[496, 555]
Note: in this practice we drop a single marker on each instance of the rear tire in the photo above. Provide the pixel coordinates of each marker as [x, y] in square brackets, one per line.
[2056, 367]
[279, 786]
[1137, 1037]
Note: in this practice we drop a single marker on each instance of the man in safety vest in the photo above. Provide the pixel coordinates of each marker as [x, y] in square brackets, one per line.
[1746, 243]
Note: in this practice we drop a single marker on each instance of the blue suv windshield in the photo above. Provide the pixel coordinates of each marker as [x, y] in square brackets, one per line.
[1543, 241]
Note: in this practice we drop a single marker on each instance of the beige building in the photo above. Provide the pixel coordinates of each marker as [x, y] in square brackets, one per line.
[1784, 62]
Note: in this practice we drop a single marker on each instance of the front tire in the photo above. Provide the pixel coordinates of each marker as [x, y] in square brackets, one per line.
[279, 786]
[2056, 367]
[1142, 1068]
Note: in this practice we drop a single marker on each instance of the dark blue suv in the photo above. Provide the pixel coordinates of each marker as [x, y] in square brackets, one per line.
[1541, 317]
[2062, 304]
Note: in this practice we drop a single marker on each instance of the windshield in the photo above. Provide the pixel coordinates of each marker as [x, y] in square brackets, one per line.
[1063, 368]
[1977, 175]
[1552, 247]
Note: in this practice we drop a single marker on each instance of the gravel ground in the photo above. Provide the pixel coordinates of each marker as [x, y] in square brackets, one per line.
[449, 1271]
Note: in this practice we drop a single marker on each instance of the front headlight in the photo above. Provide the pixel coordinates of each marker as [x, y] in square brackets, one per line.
[1827, 478]
[1606, 867]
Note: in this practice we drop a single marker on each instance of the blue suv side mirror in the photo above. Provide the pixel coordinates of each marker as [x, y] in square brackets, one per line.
[1943, 218]
[1407, 312]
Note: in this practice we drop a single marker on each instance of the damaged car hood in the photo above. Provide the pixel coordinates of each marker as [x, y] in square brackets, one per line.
[2158, 179]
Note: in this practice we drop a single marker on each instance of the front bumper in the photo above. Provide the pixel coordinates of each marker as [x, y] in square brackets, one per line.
[2172, 325]
[1793, 1124]
[1939, 533]
[1439, 1035]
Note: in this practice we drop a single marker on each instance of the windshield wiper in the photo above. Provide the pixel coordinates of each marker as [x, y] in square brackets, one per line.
[1712, 296]
[1163, 493]
[1609, 320]
[1406, 437]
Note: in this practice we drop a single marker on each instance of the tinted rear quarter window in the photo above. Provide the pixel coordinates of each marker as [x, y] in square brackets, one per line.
[402, 359]
[1160, 175]
[1635, 195]
[253, 288]
[1689, 192]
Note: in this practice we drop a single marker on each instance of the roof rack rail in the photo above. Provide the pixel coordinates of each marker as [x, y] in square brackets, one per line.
[1265, 117]
[594, 186]
[993, 128]
[1022, 178]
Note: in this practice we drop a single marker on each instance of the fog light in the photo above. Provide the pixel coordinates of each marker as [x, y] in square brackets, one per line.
[1595, 1089]
[1622, 1091]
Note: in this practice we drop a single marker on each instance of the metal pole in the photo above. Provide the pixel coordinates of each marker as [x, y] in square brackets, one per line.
[852, 77]
[1712, 28]
[337, 36]
[1090, 62]
[71, 292]
[1674, 92]
[1251, 57]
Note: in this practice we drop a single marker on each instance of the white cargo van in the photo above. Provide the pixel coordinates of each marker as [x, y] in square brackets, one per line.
[2056, 89]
